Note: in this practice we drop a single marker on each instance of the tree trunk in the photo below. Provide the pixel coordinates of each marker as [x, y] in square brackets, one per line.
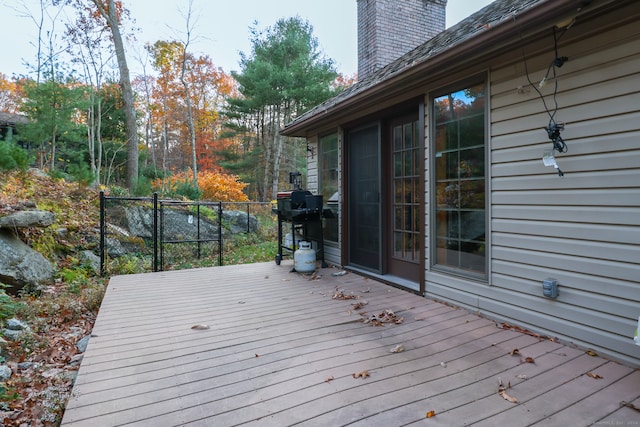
[109, 13]
[192, 129]
[98, 172]
[278, 144]
[187, 95]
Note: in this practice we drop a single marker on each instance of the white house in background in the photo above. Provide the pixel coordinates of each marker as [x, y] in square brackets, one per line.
[434, 164]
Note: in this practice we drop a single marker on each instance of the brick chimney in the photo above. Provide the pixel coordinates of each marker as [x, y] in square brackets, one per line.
[387, 29]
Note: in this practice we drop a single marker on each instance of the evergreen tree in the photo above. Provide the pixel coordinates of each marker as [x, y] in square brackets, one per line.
[54, 127]
[285, 75]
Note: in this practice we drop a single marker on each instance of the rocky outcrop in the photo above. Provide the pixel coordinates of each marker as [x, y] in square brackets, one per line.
[25, 219]
[239, 221]
[178, 224]
[19, 264]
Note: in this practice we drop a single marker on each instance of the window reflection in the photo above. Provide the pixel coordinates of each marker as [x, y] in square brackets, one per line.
[460, 180]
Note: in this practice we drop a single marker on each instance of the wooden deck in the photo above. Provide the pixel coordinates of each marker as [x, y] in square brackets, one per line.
[281, 351]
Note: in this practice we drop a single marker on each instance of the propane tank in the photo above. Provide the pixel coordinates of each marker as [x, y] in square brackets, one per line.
[304, 259]
[288, 241]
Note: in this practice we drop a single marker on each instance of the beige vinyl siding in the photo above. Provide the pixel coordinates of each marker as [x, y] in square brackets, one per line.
[583, 229]
[312, 165]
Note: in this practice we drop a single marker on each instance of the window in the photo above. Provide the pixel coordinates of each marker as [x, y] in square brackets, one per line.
[406, 191]
[460, 180]
[328, 185]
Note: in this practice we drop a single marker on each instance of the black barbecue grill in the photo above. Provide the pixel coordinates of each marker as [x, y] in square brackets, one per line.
[303, 211]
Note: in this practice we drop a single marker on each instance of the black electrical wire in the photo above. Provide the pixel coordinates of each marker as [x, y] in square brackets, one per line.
[553, 128]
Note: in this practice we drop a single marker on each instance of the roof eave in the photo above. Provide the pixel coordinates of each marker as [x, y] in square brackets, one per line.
[474, 47]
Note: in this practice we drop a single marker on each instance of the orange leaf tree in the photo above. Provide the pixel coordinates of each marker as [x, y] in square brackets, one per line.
[214, 186]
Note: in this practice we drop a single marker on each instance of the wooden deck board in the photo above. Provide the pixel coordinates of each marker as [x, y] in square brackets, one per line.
[276, 337]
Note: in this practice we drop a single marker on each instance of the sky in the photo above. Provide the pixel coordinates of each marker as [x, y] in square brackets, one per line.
[221, 28]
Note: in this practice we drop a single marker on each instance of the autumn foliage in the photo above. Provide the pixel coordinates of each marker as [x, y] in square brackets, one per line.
[214, 186]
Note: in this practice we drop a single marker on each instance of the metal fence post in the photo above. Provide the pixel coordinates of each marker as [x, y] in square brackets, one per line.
[198, 228]
[220, 233]
[161, 236]
[155, 231]
[102, 231]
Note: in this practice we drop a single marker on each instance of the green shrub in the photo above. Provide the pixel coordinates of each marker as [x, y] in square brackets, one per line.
[8, 306]
[13, 157]
[143, 187]
[187, 190]
[81, 173]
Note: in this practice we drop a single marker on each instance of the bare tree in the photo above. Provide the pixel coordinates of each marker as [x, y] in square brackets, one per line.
[187, 93]
[86, 36]
[107, 9]
[144, 81]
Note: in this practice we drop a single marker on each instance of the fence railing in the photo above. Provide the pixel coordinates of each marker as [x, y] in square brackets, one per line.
[148, 228]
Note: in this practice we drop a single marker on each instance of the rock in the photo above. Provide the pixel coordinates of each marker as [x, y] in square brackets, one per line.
[237, 222]
[39, 173]
[139, 221]
[82, 344]
[182, 225]
[178, 224]
[5, 372]
[117, 248]
[23, 219]
[20, 265]
[16, 325]
[23, 366]
[90, 259]
[11, 335]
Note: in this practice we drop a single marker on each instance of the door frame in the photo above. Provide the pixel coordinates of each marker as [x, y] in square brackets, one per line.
[382, 119]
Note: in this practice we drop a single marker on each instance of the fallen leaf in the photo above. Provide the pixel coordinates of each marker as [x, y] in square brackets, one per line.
[529, 360]
[523, 377]
[257, 355]
[502, 392]
[366, 291]
[506, 397]
[240, 302]
[630, 405]
[443, 364]
[594, 376]
[514, 352]
[592, 353]
[359, 305]
[340, 295]
[200, 327]
[363, 374]
[380, 319]
[397, 349]
[329, 379]
[431, 414]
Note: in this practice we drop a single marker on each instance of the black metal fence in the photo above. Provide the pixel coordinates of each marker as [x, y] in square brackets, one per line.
[150, 230]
